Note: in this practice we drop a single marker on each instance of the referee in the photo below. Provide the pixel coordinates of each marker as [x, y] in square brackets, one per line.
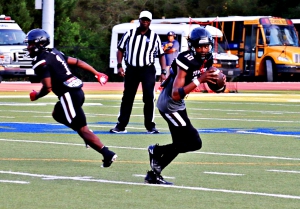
[139, 47]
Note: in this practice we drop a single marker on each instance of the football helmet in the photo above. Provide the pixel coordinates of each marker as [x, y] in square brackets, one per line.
[36, 40]
[200, 36]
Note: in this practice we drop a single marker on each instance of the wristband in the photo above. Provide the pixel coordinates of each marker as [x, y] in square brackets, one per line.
[119, 65]
[164, 72]
[196, 82]
[181, 93]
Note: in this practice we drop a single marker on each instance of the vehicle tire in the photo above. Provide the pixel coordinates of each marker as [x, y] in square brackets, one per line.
[270, 71]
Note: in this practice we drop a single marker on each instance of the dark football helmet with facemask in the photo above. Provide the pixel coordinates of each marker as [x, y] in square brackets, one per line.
[201, 36]
[36, 40]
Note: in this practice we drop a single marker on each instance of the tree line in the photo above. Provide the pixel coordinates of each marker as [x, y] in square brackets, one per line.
[82, 28]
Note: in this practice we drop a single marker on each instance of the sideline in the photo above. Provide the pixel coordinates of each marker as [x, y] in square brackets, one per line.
[119, 86]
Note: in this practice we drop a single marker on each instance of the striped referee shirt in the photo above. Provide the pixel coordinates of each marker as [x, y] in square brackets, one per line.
[140, 50]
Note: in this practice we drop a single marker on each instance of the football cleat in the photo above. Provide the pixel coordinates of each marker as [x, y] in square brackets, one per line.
[160, 180]
[109, 158]
[150, 177]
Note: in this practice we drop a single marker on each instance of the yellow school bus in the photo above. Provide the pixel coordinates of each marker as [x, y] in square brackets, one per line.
[267, 47]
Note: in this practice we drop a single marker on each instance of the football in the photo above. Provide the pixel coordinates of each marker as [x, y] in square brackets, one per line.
[219, 86]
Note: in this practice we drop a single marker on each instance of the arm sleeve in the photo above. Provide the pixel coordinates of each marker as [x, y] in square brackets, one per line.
[183, 62]
[122, 43]
[176, 45]
[159, 47]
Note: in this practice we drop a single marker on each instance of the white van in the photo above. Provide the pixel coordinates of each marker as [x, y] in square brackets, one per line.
[224, 61]
[13, 59]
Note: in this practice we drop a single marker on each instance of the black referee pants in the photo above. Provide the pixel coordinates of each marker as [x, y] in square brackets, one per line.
[133, 77]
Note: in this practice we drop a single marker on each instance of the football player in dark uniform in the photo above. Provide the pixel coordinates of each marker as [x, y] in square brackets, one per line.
[52, 67]
[189, 69]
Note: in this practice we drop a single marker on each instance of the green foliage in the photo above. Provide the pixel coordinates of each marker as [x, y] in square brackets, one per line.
[83, 27]
[68, 33]
[17, 10]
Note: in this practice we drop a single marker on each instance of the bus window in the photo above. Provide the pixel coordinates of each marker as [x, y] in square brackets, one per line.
[288, 36]
[250, 38]
[281, 35]
[274, 36]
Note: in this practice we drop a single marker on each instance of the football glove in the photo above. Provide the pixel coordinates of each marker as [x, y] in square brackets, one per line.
[33, 95]
[102, 78]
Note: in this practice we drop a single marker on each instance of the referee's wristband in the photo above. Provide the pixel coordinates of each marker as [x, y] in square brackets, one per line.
[119, 65]
[196, 82]
[163, 72]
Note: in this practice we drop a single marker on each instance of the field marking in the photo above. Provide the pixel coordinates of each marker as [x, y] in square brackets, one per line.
[40, 104]
[258, 97]
[141, 175]
[244, 155]
[76, 178]
[136, 148]
[245, 120]
[284, 171]
[6, 117]
[267, 134]
[14, 182]
[225, 174]
[146, 162]
[136, 105]
[192, 115]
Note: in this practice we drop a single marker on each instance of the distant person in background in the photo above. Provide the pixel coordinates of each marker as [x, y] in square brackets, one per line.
[171, 49]
[141, 45]
[52, 68]
[9, 38]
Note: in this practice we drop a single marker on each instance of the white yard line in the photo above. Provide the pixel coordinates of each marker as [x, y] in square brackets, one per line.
[225, 174]
[136, 148]
[87, 179]
[284, 171]
[143, 175]
[244, 155]
[14, 182]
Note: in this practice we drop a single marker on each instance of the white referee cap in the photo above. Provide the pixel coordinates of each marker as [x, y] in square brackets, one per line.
[146, 14]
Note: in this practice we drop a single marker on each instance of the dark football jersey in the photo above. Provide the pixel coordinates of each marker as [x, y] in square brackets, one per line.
[193, 67]
[52, 63]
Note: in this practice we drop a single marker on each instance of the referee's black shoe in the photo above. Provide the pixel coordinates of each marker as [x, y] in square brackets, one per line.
[152, 131]
[117, 130]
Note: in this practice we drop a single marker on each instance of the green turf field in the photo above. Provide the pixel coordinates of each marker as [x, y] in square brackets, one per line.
[250, 155]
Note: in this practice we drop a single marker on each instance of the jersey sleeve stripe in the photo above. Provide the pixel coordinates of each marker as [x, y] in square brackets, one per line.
[180, 64]
[41, 62]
